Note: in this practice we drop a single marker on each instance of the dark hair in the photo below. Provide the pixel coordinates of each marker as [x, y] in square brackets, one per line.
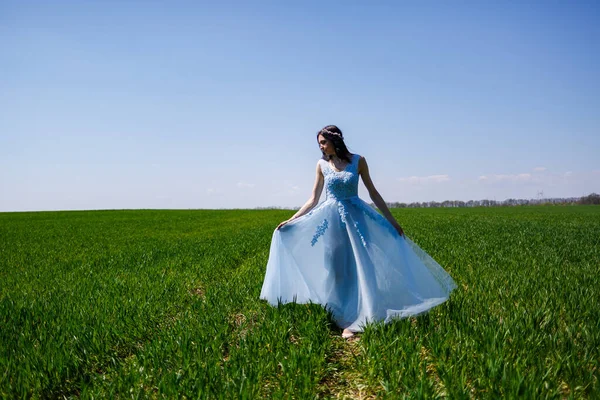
[329, 133]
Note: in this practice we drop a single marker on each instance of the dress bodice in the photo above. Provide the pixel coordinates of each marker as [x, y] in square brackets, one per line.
[341, 184]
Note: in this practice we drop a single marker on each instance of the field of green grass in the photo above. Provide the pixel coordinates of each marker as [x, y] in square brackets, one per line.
[164, 304]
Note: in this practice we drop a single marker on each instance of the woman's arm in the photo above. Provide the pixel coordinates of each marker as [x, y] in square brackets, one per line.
[363, 170]
[314, 198]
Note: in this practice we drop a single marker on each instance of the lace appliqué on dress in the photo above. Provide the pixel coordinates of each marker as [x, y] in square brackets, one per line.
[320, 230]
[362, 238]
[374, 215]
[344, 220]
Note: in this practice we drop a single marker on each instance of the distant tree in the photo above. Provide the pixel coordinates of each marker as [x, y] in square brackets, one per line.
[592, 198]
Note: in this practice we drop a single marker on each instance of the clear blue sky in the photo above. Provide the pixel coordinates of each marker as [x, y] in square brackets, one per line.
[190, 104]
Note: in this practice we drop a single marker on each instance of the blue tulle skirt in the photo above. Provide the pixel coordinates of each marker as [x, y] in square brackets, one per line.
[346, 256]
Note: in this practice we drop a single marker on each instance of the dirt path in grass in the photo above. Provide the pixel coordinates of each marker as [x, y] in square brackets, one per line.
[343, 379]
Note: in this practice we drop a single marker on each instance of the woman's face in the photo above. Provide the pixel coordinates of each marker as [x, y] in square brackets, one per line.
[326, 145]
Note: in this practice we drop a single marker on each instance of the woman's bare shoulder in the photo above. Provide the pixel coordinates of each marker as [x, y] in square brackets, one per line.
[362, 164]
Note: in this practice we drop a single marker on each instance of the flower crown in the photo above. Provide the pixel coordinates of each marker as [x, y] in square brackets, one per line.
[331, 133]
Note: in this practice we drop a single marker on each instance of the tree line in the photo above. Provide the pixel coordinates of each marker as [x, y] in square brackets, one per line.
[592, 198]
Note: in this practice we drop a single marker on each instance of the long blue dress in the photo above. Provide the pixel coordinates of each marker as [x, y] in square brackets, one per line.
[346, 256]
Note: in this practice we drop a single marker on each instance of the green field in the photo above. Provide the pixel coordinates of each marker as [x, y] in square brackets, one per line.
[164, 304]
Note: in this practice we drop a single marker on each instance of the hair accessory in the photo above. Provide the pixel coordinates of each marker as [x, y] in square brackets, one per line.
[331, 133]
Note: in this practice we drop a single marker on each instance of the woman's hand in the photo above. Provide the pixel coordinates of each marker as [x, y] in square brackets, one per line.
[283, 223]
[399, 229]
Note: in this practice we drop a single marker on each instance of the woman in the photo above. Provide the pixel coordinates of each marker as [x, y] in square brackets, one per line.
[346, 256]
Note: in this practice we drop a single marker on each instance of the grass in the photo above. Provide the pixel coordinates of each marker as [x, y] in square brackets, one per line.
[164, 303]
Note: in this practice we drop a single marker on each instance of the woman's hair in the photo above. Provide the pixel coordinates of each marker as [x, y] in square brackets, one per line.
[334, 134]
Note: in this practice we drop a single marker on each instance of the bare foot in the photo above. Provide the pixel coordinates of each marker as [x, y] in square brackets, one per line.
[347, 333]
